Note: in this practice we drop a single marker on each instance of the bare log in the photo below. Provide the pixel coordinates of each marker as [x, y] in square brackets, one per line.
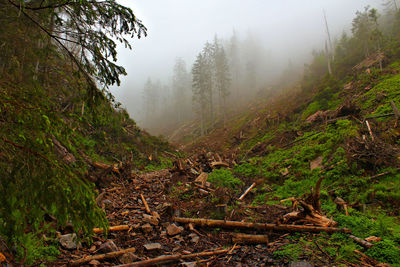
[247, 191]
[172, 258]
[101, 256]
[260, 226]
[248, 239]
[111, 229]
[362, 242]
[146, 206]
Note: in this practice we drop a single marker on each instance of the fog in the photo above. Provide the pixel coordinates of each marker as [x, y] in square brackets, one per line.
[283, 30]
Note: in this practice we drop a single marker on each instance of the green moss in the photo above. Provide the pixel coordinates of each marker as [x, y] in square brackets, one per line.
[224, 178]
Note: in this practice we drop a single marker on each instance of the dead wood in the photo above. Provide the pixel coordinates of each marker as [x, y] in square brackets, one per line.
[248, 239]
[112, 229]
[370, 154]
[101, 256]
[219, 164]
[247, 191]
[259, 226]
[104, 166]
[173, 258]
[362, 242]
[369, 130]
[311, 210]
[146, 206]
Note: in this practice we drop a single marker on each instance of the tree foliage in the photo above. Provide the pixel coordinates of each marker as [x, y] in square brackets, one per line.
[86, 31]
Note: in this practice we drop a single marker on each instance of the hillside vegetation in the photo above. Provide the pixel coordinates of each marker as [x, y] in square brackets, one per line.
[292, 137]
[55, 124]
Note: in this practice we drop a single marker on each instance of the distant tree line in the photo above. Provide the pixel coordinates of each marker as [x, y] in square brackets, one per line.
[225, 72]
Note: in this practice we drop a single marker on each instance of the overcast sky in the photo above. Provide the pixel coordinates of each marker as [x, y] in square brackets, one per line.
[289, 29]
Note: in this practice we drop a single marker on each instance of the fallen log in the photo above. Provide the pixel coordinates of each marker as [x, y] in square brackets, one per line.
[260, 226]
[101, 256]
[172, 258]
[247, 191]
[361, 242]
[248, 239]
[111, 229]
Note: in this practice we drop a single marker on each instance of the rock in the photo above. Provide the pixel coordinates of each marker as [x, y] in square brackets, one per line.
[147, 228]
[300, 264]
[316, 163]
[150, 219]
[172, 229]
[156, 215]
[69, 241]
[107, 203]
[128, 258]
[94, 262]
[152, 246]
[108, 246]
[195, 239]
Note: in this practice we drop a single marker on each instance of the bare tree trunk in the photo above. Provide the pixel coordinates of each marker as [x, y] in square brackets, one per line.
[328, 57]
[332, 52]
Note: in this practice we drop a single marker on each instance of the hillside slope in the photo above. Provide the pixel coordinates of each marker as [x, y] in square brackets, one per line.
[340, 134]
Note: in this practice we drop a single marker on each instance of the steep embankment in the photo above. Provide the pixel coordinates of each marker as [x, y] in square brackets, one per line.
[346, 135]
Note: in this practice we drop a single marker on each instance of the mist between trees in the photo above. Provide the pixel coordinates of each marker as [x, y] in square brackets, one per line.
[227, 73]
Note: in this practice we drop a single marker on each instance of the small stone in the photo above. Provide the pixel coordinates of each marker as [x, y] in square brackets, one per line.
[128, 258]
[94, 262]
[150, 219]
[107, 203]
[300, 264]
[317, 163]
[165, 224]
[108, 246]
[156, 215]
[172, 229]
[69, 241]
[152, 246]
[195, 239]
[147, 228]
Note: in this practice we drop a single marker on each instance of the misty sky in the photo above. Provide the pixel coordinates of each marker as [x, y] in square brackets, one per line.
[288, 29]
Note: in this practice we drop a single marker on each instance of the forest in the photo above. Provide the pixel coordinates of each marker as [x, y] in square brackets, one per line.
[243, 156]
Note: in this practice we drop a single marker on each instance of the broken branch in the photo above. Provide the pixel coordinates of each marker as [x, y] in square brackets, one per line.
[101, 256]
[111, 228]
[146, 206]
[247, 191]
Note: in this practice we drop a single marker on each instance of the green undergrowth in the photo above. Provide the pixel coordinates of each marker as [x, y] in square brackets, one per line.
[287, 173]
[224, 178]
